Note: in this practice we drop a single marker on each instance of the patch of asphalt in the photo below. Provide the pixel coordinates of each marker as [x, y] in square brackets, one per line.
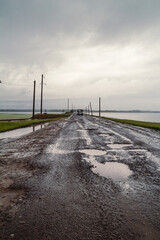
[69, 201]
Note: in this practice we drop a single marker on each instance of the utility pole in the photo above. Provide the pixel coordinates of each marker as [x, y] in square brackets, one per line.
[41, 93]
[34, 91]
[91, 109]
[88, 109]
[99, 106]
[68, 104]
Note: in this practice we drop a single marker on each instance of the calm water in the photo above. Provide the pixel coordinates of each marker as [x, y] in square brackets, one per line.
[21, 131]
[148, 117]
[116, 171]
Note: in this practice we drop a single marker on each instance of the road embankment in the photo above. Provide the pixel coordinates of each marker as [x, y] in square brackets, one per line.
[81, 178]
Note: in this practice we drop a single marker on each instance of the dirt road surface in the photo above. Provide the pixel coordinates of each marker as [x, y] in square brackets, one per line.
[81, 178]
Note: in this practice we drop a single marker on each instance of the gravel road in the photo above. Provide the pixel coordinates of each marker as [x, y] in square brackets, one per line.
[81, 178]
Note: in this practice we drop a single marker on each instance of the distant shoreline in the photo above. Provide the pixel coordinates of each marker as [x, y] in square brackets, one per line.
[64, 110]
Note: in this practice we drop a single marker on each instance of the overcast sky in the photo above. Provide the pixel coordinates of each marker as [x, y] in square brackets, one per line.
[85, 48]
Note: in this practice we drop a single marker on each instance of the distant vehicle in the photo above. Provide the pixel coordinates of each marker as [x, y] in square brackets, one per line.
[80, 112]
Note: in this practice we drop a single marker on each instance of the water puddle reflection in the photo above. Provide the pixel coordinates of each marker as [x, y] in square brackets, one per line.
[114, 170]
[116, 146]
[21, 131]
[93, 152]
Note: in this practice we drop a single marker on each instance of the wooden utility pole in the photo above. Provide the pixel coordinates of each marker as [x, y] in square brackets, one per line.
[68, 104]
[41, 93]
[99, 106]
[88, 109]
[91, 109]
[34, 92]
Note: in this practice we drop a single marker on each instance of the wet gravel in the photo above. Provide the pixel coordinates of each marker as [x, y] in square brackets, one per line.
[52, 186]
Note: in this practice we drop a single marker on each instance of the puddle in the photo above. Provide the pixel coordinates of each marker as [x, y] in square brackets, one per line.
[21, 131]
[114, 170]
[116, 146]
[93, 152]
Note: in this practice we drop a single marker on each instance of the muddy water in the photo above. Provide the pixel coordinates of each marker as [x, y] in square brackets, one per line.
[114, 170]
[21, 131]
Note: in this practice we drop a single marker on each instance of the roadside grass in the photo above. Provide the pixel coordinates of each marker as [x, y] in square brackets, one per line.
[14, 116]
[11, 125]
[151, 125]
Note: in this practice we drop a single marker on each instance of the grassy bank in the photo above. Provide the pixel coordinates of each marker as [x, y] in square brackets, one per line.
[7, 126]
[152, 125]
[14, 116]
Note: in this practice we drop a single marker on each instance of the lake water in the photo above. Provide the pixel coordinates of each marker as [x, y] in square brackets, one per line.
[148, 117]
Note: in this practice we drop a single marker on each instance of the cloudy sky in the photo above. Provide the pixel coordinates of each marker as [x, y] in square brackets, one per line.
[85, 48]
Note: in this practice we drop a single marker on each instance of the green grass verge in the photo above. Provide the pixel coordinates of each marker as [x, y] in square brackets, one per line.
[14, 116]
[7, 126]
[152, 125]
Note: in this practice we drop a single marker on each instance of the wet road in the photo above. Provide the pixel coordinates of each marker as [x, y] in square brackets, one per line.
[102, 183]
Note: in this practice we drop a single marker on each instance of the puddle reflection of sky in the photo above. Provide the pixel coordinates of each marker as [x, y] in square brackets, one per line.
[21, 131]
[114, 170]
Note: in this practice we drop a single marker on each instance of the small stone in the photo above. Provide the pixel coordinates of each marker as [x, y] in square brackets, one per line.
[22, 222]
[12, 235]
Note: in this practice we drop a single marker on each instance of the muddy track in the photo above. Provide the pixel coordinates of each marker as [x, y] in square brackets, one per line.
[81, 178]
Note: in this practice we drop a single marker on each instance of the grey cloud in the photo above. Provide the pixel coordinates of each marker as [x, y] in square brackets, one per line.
[33, 25]
[37, 37]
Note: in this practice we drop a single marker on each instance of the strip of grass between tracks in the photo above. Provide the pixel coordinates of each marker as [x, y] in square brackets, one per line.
[7, 126]
[151, 125]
